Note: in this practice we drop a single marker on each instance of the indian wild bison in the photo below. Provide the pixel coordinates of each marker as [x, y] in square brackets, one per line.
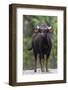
[41, 45]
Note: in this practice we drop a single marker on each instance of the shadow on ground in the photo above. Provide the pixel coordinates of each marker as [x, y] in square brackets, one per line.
[39, 71]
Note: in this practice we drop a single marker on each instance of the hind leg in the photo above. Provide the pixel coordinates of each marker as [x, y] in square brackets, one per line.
[43, 61]
[40, 61]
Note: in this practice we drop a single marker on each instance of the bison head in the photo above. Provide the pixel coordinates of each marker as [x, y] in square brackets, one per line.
[43, 28]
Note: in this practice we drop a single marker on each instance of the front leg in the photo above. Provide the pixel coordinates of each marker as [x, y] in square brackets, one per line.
[41, 62]
[35, 69]
[47, 65]
[47, 56]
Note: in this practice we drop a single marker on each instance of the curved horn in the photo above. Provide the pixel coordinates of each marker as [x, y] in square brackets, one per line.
[49, 27]
[37, 27]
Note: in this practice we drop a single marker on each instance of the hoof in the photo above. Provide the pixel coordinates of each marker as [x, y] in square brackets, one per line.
[35, 71]
[43, 70]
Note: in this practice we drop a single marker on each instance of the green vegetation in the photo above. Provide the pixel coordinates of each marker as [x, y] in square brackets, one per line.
[28, 22]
